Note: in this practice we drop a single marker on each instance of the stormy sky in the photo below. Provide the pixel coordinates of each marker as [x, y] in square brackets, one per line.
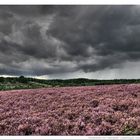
[70, 41]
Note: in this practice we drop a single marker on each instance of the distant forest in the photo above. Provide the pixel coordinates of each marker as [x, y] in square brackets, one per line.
[22, 82]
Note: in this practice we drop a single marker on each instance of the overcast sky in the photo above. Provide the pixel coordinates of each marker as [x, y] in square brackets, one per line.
[70, 41]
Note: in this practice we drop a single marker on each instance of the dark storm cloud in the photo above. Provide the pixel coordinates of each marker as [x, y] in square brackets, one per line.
[112, 31]
[41, 40]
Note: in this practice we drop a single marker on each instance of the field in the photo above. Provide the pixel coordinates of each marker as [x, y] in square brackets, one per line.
[85, 110]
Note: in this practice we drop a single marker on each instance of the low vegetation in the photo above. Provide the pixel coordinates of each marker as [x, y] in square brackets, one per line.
[85, 110]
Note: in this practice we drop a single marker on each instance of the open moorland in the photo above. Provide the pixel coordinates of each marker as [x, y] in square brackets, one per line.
[84, 110]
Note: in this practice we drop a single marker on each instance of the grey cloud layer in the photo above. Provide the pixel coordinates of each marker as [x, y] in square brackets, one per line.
[43, 40]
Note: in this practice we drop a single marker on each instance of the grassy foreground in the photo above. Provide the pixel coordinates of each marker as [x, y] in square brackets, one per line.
[30, 83]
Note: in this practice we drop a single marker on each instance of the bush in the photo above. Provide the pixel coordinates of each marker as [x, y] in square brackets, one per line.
[1, 79]
[22, 79]
[25, 129]
[94, 103]
[120, 107]
[128, 130]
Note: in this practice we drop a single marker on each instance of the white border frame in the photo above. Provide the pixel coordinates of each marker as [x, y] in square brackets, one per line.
[70, 2]
[70, 137]
[67, 2]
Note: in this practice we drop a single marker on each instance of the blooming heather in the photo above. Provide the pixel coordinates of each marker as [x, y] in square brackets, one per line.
[88, 110]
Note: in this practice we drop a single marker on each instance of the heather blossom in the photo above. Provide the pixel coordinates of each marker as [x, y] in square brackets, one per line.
[88, 110]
